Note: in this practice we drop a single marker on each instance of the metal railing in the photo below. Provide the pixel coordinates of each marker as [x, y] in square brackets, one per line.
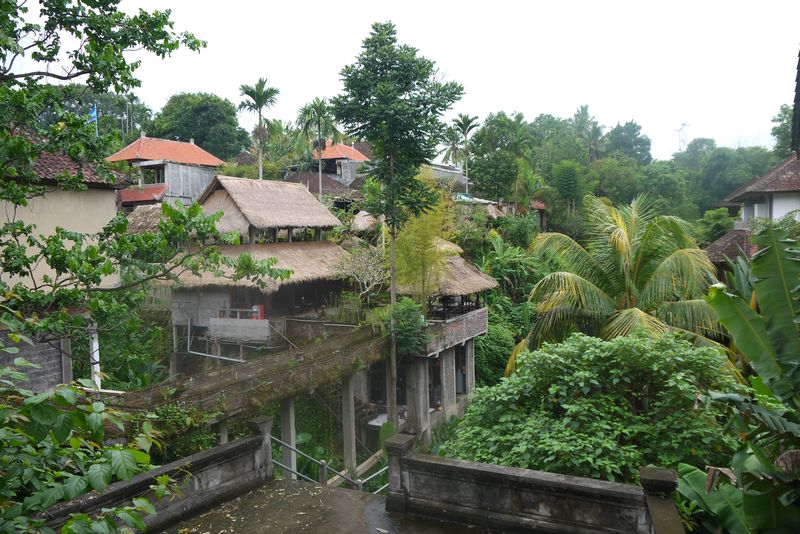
[357, 484]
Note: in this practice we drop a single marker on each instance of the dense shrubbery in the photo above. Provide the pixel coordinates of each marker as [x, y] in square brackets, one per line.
[601, 409]
[491, 352]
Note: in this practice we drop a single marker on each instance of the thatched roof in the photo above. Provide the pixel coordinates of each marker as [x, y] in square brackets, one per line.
[309, 261]
[144, 218]
[363, 222]
[268, 204]
[460, 277]
[443, 245]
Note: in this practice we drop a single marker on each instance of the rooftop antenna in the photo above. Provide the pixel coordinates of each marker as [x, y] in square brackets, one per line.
[681, 137]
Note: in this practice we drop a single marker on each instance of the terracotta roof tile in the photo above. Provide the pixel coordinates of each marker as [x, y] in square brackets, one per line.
[148, 193]
[48, 166]
[730, 245]
[538, 205]
[153, 148]
[341, 151]
[784, 177]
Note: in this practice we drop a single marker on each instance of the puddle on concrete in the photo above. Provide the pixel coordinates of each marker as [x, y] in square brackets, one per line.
[284, 506]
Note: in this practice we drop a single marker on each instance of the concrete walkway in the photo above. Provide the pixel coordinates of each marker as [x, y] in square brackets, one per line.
[285, 506]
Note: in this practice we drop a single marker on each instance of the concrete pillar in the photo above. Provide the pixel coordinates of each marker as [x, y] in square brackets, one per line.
[417, 397]
[222, 431]
[173, 358]
[66, 360]
[348, 424]
[470, 353]
[288, 435]
[263, 459]
[449, 382]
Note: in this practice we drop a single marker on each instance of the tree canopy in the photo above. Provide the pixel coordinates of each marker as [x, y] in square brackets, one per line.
[208, 119]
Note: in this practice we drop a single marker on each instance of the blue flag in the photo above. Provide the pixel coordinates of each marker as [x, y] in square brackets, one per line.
[93, 114]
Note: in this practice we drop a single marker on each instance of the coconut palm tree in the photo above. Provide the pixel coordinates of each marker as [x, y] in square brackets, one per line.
[464, 124]
[451, 153]
[316, 117]
[639, 270]
[259, 96]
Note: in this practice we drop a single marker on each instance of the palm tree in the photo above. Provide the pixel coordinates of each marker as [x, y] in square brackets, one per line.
[464, 124]
[451, 153]
[260, 96]
[639, 270]
[317, 117]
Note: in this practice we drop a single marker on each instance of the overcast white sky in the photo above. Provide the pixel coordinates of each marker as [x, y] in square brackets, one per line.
[722, 67]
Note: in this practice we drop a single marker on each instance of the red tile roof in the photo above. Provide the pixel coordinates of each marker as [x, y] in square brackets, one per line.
[784, 177]
[48, 166]
[730, 245]
[148, 193]
[153, 148]
[537, 205]
[340, 151]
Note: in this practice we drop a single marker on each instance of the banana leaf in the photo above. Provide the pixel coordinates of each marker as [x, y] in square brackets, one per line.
[724, 503]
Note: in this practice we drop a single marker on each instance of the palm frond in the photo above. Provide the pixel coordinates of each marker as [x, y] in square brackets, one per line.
[694, 315]
[625, 322]
[568, 290]
[685, 273]
[568, 255]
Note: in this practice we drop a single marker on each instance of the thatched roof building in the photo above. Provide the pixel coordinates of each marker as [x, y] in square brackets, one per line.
[264, 205]
[460, 277]
[363, 222]
[144, 218]
[309, 261]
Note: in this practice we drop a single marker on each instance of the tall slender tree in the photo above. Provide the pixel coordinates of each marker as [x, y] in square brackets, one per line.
[258, 97]
[393, 98]
[316, 117]
[465, 124]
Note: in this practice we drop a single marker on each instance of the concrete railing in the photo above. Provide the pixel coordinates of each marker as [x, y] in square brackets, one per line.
[457, 329]
[510, 498]
[204, 479]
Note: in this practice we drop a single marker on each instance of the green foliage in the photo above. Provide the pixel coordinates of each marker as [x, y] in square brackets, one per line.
[492, 352]
[514, 269]
[410, 329]
[615, 178]
[393, 99]
[495, 148]
[519, 230]
[764, 490]
[51, 451]
[782, 131]
[639, 270]
[256, 98]
[627, 140]
[208, 119]
[713, 225]
[601, 409]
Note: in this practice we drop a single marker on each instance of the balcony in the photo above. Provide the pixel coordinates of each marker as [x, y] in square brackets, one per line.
[456, 330]
[245, 324]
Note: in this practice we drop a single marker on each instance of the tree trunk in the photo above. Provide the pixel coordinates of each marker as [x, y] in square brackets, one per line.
[259, 140]
[392, 393]
[466, 168]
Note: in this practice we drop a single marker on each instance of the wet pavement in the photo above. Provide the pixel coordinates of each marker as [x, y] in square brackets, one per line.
[284, 506]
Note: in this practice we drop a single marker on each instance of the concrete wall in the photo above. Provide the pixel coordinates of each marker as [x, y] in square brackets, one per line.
[79, 211]
[200, 305]
[510, 498]
[205, 479]
[446, 334]
[239, 329]
[783, 203]
[186, 182]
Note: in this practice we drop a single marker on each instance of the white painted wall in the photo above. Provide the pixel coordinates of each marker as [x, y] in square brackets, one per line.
[783, 203]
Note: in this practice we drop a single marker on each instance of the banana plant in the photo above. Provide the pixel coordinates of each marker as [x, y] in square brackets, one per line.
[764, 475]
